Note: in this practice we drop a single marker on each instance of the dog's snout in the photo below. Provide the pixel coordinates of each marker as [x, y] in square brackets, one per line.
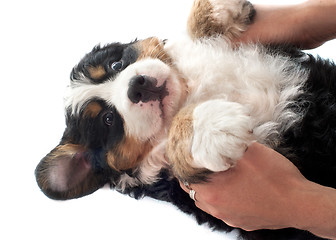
[142, 88]
[139, 81]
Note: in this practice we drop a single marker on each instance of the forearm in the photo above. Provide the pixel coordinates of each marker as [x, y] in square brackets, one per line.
[315, 210]
[306, 25]
[319, 21]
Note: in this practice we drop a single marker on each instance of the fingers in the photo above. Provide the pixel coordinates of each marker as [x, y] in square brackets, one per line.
[187, 188]
[184, 187]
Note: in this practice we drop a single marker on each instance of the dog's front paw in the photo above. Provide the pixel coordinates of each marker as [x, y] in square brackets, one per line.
[219, 17]
[222, 133]
[206, 138]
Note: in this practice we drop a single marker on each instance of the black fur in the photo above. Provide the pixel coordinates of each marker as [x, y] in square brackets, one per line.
[313, 141]
[93, 132]
[105, 56]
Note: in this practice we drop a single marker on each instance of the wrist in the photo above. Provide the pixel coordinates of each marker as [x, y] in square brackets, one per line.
[318, 22]
[315, 209]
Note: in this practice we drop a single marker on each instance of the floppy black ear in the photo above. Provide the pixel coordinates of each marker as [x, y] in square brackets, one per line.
[67, 172]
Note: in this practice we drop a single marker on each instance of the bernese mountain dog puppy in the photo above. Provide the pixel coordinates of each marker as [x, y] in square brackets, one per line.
[141, 115]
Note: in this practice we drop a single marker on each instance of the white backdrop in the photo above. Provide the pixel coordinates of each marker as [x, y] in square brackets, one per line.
[40, 43]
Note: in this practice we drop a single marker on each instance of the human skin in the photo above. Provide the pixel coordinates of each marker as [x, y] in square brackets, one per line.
[306, 25]
[266, 191]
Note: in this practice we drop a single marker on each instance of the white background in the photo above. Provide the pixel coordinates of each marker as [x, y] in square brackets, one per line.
[40, 42]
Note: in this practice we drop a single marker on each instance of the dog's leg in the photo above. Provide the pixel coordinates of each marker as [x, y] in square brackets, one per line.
[209, 137]
[219, 17]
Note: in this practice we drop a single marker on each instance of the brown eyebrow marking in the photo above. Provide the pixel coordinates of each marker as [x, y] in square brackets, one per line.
[97, 72]
[153, 48]
[92, 110]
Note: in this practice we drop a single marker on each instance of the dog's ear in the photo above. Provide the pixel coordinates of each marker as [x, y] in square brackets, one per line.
[67, 172]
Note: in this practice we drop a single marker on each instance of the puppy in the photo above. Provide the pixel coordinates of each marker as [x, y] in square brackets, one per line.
[141, 115]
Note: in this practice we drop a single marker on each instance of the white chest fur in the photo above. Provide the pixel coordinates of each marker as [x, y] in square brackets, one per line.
[263, 83]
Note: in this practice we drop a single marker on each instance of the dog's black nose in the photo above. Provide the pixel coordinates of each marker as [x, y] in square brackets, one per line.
[143, 88]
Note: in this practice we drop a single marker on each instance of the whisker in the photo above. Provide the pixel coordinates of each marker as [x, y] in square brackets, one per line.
[158, 53]
[154, 49]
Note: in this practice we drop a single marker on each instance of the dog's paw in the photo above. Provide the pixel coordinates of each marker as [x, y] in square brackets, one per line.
[206, 138]
[219, 17]
[222, 133]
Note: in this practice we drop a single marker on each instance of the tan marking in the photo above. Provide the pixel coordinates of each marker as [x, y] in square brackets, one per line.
[153, 48]
[205, 21]
[96, 73]
[200, 22]
[129, 153]
[179, 146]
[92, 110]
[67, 149]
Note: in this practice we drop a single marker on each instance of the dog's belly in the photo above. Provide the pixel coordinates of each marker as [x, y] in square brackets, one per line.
[264, 84]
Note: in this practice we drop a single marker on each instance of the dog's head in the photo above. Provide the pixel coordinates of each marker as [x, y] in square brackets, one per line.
[121, 101]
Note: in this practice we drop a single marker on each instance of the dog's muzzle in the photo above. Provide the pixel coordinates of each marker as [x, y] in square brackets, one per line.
[143, 88]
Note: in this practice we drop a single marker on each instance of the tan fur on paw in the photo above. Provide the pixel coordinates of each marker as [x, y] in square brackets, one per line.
[179, 148]
[219, 17]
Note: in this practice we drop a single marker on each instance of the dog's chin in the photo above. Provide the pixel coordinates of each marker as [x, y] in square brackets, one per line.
[156, 116]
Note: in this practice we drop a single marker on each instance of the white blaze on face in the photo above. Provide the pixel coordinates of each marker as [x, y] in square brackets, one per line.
[145, 119]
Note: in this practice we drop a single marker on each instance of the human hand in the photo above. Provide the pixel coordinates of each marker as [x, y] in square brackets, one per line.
[254, 194]
[306, 25]
[266, 191]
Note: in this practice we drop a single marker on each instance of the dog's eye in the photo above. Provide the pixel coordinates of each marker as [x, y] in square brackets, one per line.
[116, 66]
[108, 118]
